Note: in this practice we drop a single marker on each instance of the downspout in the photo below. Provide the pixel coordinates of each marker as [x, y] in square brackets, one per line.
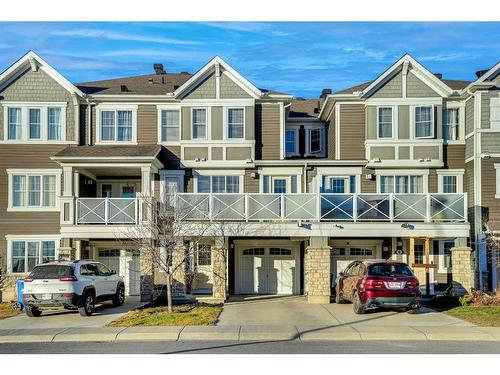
[90, 135]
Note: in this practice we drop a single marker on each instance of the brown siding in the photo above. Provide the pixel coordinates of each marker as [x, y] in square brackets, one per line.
[147, 124]
[454, 156]
[490, 204]
[330, 140]
[368, 186]
[267, 131]
[251, 185]
[433, 181]
[352, 131]
[469, 184]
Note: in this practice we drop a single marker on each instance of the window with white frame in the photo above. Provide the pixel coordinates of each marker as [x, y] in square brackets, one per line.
[35, 122]
[31, 190]
[450, 124]
[291, 142]
[199, 122]
[116, 125]
[218, 184]
[235, 123]
[401, 184]
[170, 125]
[26, 254]
[315, 140]
[204, 255]
[444, 255]
[423, 122]
[385, 122]
[279, 184]
[450, 181]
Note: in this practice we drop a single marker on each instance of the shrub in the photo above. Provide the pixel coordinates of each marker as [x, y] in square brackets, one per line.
[480, 298]
[465, 300]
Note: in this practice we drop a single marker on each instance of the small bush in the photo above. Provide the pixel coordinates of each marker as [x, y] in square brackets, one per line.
[465, 300]
[480, 298]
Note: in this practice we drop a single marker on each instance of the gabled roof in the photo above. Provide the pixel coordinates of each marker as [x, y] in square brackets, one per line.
[483, 80]
[32, 60]
[451, 83]
[305, 108]
[424, 74]
[109, 151]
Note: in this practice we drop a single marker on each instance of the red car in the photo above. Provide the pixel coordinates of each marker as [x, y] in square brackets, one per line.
[378, 283]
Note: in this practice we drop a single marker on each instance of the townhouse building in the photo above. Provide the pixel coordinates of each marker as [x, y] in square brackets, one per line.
[406, 166]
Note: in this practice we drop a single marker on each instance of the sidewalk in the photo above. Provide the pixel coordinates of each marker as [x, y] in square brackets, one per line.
[340, 332]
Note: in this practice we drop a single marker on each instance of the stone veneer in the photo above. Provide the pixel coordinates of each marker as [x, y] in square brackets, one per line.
[317, 268]
[219, 273]
[462, 270]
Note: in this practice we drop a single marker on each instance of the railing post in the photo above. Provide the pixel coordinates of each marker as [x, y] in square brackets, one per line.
[391, 207]
[136, 211]
[428, 208]
[210, 204]
[355, 207]
[106, 210]
[246, 207]
[318, 206]
[282, 206]
[466, 219]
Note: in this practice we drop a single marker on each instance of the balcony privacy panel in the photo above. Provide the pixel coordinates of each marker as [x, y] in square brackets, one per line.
[91, 211]
[300, 207]
[373, 207]
[447, 207]
[193, 206]
[337, 207]
[264, 207]
[121, 210]
[409, 207]
[228, 206]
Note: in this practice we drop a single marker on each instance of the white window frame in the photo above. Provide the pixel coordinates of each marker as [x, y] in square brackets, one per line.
[226, 124]
[44, 121]
[30, 238]
[295, 130]
[441, 267]
[211, 173]
[347, 183]
[497, 171]
[309, 132]
[413, 121]
[307, 146]
[456, 126]
[458, 173]
[409, 172]
[495, 114]
[161, 108]
[207, 124]
[33, 172]
[115, 108]
[167, 174]
[394, 121]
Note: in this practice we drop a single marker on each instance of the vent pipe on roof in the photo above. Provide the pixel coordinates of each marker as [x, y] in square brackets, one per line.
[325, 92]
[158, 68]
[439, 75]
[480, 73]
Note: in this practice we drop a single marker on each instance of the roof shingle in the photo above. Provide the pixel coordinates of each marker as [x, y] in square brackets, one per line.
[109, 151]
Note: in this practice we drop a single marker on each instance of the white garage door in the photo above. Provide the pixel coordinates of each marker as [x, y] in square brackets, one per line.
[343, 256]
[126, 264]
[267, 270]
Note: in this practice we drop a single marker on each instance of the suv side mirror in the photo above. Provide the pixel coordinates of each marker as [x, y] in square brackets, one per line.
[112, 272]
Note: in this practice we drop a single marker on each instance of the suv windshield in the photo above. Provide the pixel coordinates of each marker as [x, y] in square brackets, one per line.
[51, 271]
[389, 269]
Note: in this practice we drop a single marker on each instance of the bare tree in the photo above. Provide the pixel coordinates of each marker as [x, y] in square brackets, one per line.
[492, 239]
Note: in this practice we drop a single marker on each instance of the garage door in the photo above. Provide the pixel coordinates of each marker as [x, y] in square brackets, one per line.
[343, 256]
[267, 270]
[126, 264]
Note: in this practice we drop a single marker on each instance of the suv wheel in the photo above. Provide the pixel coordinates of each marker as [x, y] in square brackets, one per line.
[119, 297]
[32, 311]
[357, 305]
[88, 305]
[338, 298]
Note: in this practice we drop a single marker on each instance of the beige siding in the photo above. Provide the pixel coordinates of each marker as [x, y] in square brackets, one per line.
[469, 116]
[205, 90]
[404, 152]
[352, 131]
[469, 147]
[267, 131]
[383, 153]
[426, 152]
[251, 185]
[186, 123]
[147, 124]
[38, 86]
[403, 122]
[415, 88]
[454, 156]
[485, 107]
[216, 153]
[490, 142]
[238, 153]
[229, 89]
[392, 89]
[469, 184]
[191, 153]
[250, 123]
[217, 123]
[371, 122]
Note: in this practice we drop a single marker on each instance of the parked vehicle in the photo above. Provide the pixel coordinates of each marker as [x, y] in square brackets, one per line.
[72, 285]
[378, 283]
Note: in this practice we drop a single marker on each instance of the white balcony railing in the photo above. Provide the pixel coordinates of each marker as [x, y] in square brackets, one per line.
[107, 211]
[322, 207]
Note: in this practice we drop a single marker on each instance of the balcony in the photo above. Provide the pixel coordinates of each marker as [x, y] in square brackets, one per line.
[107, 211]
[322, 207]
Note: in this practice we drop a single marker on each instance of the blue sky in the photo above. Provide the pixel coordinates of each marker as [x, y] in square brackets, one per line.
[294, 57]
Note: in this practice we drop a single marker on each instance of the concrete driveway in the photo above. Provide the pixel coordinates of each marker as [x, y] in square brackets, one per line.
[295, 311]
[103, 314]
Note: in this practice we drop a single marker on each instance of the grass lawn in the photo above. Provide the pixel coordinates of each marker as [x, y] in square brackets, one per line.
[6, 311]
[183, 315]
[485, 316]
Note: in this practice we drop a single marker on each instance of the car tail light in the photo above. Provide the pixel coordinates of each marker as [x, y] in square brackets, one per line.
[28, 279]
[412, 284]
[25, 295]
[375, 284]
[69, 295]
[67, 278]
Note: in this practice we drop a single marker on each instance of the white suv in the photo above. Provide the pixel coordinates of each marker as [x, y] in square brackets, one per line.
[72, 285]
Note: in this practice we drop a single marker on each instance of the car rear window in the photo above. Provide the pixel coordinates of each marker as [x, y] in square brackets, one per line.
[389, 269]
[51, 271]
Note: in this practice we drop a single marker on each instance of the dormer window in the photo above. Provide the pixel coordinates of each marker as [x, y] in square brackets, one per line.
[116, 125]
[423, 121]
[315, 140]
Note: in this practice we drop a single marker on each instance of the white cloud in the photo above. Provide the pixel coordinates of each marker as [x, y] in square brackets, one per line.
[158, 53]
[248, 27]
[445, 57]
[113, 35]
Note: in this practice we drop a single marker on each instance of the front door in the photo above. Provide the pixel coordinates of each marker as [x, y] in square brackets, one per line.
[128, 191]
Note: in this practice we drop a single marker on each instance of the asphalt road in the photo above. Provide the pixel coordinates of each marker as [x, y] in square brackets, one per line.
[276, 347]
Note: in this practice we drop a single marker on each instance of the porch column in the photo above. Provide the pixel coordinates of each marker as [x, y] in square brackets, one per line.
[67, 197]
[317, 269]
[67, 252]
[147, 181]
[219, 274]
[462, 270]
[179, 265]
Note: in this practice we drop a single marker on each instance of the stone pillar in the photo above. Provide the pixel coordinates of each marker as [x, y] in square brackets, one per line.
[317, 268]
[67, 252]
[146, 276]
[179, 264]
[219, 274]
[462, 270]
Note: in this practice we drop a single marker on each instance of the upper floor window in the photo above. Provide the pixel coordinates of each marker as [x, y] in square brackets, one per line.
[235, 123]
[315, 140]
[291, 142]
[423, 120]
[170, 125]
[401, 184]
[116, 126]
[199, 116]
[450, 181]
[338, 184]
[218, 184]
[450, 124]
[35, 122]
[385, 122]
[33, 191]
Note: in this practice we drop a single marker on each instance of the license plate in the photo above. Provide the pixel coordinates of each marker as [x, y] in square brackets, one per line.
[395, 285]
[46, 296]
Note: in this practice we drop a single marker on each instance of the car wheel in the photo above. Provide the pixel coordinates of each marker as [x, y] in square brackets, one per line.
[32, 311]
[119, 297]
[88, 305]
[338, 298]
[357, 305]
[412, 311]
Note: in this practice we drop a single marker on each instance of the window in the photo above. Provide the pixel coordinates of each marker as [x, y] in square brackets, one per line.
[255, 251]
[218, 184]
[26, 254]
[106, 190]
[314, 141]
[290, 142]
[419, 254]
[450, 181]
[386, 184]
[279, 185]
[33, 191]
[423, 122]
[337, 185]
[199, 123]
[450, 124]
[14, 124]
[34, 123]
[449, 184]
[385, 122]
[204, 255]
[445, 247]
[170, 125]
[279, 251]
[401, 184]
[54, 124]
[357, 251]
[236, 123]
[116, 125]
[103, 270]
